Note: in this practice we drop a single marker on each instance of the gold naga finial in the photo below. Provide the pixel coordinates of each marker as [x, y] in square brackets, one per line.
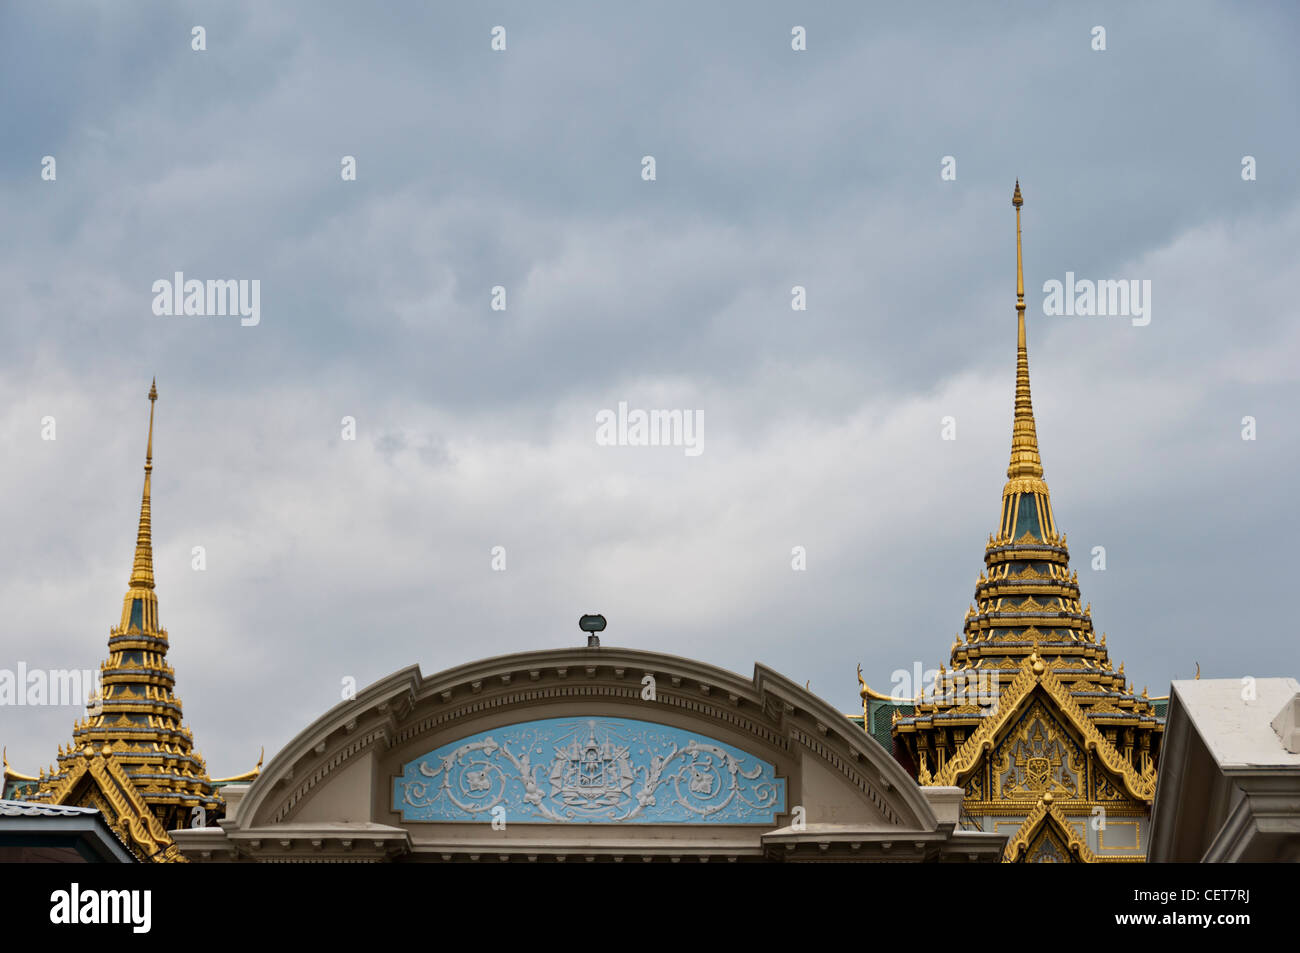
[1026, 466]
[8, 772]
[1198, 671]
[865, 691]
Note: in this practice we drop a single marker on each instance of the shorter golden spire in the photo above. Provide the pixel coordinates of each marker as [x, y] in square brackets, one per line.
[142, 567]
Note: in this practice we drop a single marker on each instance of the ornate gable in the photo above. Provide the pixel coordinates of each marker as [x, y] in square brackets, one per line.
[1035, 719]
[1047, 837]
[98, 781]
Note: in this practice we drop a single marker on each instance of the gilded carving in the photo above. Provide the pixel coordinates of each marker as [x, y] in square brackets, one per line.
[1038, 757]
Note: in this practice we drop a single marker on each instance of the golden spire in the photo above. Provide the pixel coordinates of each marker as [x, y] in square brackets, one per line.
[142, 568]
[1028, 611]
[1025, 463]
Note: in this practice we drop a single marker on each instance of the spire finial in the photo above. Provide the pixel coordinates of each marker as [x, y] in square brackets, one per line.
[1018, 201]
[153, 396]
[1025, 462]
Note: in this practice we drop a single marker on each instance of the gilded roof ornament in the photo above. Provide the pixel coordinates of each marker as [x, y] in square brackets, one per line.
[142, 567]
[9, 773]
[1025, 471]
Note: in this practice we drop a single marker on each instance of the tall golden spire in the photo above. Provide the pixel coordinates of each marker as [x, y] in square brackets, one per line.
[1030, 639]
[142, 568]
[134, 722]
[1025, 472]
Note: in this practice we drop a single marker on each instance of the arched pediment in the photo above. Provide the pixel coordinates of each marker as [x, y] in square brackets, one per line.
[416, 765]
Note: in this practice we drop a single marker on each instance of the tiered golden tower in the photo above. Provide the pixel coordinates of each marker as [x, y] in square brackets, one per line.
[131, 757]
[1030, 717]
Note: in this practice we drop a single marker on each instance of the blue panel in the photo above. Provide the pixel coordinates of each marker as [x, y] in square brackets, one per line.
[1027, 521]
[589, 770]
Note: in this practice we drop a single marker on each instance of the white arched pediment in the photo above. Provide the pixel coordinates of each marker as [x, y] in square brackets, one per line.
[586, 751]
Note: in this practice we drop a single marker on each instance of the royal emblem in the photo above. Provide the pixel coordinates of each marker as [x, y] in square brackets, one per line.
[1039, 772]
[594, 774]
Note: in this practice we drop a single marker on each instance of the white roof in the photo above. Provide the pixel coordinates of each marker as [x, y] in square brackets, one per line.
[1239, 732]
[28, 809]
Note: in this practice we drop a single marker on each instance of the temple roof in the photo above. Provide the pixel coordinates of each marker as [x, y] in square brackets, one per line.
[1027, 599]
[1029, 718]
[134, 721]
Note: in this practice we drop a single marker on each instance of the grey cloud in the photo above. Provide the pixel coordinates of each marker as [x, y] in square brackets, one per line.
[330, 558]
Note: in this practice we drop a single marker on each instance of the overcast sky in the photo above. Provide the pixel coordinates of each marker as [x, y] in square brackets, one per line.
[475, 428]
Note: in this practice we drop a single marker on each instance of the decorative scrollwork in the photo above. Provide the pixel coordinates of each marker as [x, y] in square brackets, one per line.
[601, 770]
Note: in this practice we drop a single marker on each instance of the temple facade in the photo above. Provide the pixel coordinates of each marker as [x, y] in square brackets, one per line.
[132, 758]
[1045, 737]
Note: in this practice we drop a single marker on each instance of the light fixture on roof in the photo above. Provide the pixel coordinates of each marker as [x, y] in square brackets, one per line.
[591, 624]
